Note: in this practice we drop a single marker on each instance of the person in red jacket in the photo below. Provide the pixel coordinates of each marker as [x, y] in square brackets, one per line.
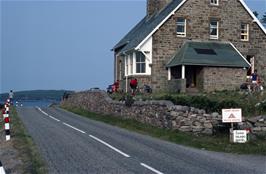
[116, 86]
[133, 85]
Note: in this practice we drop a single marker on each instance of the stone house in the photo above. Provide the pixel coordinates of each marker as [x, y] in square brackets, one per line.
[201, 45]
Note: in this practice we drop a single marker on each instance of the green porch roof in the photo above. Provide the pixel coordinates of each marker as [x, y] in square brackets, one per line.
[217, 54]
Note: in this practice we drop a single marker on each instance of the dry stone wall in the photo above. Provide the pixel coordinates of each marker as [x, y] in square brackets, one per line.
[163, 114]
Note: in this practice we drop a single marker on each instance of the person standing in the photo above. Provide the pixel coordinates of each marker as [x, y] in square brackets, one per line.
[133, 85]
[254, 77]
[11, 96]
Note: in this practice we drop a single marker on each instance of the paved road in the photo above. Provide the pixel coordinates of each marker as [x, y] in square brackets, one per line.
[75, 145]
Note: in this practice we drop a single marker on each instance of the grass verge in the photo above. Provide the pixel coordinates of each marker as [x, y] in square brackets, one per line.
[213, 143]
[28, 152]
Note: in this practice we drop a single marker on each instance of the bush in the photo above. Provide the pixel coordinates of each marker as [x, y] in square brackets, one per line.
[129, 100]
[261, 107]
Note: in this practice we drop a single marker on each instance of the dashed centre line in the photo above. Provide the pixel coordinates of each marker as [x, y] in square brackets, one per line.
[108, 145]
[47, 114]
[54, 118]
[74, 128]
[101, 141]
[150, 168]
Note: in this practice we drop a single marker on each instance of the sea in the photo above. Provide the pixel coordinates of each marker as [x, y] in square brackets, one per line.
[33, 103]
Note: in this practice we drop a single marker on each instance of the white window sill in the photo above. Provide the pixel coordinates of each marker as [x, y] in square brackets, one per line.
[181, 35]
[138, 74]
[214, 37]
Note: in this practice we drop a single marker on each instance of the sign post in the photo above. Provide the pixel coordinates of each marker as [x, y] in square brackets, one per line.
[232, 116]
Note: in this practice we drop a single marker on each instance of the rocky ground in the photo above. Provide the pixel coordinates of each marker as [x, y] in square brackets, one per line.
[9, 156]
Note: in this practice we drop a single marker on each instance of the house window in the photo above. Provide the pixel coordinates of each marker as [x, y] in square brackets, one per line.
[140, 63]
[214, 2]
[244, 32]
[214, 31]
[181, 27]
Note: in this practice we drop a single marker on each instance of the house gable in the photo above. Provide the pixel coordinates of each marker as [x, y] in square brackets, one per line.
[160, 31]
[149, 25]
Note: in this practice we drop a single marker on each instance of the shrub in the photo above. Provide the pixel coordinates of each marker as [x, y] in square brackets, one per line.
[261, 107]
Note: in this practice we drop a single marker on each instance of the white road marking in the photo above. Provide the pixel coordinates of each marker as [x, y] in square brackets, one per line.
[150, 168]
[42, 111]
[74, 128]
[53, 118]
[47, 114]
[108, 145]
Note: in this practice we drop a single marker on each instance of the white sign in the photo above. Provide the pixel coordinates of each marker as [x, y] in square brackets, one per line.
[240, 136]
[232, 115]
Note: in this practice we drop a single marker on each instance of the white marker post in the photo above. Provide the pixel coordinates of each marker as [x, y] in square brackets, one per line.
[232, 116]
[2, 170]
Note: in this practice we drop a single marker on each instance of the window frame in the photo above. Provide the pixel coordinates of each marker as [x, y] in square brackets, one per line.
[217, 28]
[141, 63]
[181, 34]
[214, 2]
[246, 33]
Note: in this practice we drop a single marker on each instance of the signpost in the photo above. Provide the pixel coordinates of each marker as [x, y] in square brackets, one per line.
[234, 116]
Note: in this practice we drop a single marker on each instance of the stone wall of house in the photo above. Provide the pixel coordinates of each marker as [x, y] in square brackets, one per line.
[217, 78]
[163, 114]
[198, 13]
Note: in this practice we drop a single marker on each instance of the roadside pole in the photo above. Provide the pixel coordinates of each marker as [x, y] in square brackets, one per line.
[2, 170]
[7, 120]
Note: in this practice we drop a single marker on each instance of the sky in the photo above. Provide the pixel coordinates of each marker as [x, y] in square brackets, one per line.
[66, 44]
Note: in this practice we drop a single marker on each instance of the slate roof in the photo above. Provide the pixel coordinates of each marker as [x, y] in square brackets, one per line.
[145, 27]
[148, 24]
[208, 54]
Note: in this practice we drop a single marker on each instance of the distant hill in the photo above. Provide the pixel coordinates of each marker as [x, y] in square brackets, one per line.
[37, 95]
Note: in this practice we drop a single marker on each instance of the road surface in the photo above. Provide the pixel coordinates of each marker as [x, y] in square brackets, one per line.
[71, 144]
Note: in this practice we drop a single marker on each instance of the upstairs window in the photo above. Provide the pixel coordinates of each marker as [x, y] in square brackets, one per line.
[140, 63]
[244, 32]
[214, 29]
[181, 27]
[214, 2]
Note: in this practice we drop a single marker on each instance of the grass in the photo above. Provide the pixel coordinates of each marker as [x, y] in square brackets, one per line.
[28, 152]
[213, 143]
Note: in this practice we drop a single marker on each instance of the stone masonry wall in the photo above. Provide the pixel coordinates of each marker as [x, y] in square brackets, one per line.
[217, 78]
[198, 13]
[162, 114]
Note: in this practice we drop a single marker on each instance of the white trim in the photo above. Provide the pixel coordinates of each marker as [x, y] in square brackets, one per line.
[183, 72]
[182, 34]
[169, 73]
[173, 12]
[163, 21]
[253, 16]
[217, 28]
[211, 3]
[239, 53]
[244, 34]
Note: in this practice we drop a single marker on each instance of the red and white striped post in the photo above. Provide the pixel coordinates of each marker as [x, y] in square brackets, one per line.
[2, 170]
[7, 121]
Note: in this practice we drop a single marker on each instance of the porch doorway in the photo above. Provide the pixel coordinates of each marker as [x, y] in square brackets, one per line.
[193, 76]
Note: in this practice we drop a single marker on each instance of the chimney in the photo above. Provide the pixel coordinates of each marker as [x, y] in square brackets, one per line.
[154, 6]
